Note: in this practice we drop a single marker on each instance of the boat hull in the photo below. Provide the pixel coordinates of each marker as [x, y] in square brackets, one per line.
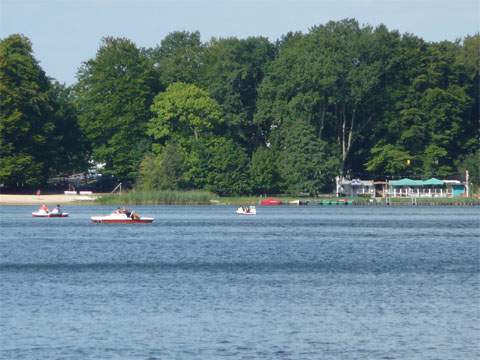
[270, 202]
[50, 215]
[122, 221]
[107, 220]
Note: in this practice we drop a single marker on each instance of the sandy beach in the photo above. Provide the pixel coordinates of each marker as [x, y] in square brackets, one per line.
[7, 199]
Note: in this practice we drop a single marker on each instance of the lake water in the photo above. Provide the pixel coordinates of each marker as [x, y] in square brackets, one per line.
[203, 283]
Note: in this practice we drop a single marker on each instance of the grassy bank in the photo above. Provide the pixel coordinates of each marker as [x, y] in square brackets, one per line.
[158, 198]
[205, 197]
[167, 197]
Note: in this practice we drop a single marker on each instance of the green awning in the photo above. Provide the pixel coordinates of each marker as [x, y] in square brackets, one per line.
[410, 182]
[433, 181]
[406, 182]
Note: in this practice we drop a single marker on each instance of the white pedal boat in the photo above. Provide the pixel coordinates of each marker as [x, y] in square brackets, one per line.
[49, 214]
[121, 219]
[246, 210]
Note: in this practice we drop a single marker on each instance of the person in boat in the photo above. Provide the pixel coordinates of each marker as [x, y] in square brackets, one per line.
[56, 210]
[122, 211]
[44, 208]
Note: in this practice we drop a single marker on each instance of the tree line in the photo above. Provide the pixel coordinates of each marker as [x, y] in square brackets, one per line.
[238, 116]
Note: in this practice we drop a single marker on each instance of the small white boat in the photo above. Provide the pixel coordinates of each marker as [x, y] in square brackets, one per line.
[42, 213]
[121, 218]
[247, 210]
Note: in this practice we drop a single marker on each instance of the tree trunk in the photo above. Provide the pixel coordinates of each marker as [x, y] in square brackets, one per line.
[344, 152]
[350, 132]
[346, 136]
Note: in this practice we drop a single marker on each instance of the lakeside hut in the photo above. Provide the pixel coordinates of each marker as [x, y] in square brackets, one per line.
[425, 188]
[355, 187]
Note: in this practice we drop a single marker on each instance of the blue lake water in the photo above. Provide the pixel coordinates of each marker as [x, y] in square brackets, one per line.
[203, 283]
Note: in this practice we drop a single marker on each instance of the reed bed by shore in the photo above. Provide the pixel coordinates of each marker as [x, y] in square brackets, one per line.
[196, 197]
[205, 197]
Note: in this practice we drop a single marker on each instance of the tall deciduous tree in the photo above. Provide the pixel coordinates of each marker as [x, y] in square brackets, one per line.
[183, 112]
[330, 78]
[164, 170]
[219, 165]
[305, 162]
[25, 115]
[232, 70]
[428, 121]
[179, 57]
[70, 148]
[114, 94]
[264, 172]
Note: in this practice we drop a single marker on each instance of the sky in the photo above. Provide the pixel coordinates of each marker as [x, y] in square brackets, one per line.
[66, 33]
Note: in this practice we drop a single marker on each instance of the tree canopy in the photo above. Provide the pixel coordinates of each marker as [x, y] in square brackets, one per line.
[183, 111]
[247, 115]
[39, 133]
[114, 93]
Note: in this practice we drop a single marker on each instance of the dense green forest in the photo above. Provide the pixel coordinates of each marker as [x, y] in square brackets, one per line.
[240, 116]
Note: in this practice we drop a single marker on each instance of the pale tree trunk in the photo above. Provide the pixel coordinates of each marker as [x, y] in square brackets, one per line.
[346, 135]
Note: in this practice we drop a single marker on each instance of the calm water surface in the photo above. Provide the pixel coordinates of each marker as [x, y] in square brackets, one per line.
[203, 283]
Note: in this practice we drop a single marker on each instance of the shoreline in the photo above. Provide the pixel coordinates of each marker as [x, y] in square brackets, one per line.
[62, 199]
[16, 199]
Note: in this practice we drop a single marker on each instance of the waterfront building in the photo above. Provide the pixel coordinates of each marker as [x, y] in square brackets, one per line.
[400, 188]
[355, 187]
[425, 188]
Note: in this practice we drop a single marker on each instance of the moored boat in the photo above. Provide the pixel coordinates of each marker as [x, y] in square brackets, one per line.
[270, 202]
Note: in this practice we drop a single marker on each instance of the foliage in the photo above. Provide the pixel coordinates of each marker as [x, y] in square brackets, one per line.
[114, 93]
[39, 134]
[471, 162]
[330, 78]
[179, 57]
[183, 111]
[264, 173]
[219, 165]
[389, 160]
[70, 146]
[304, 161]
[232, 71]
[163, 171]
[238, 116]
